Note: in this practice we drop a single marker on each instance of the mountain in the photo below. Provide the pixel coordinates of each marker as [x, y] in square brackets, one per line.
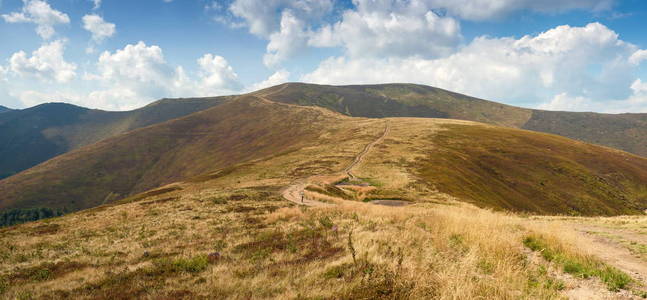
[252, 193]
[4, 109]
[31, 136]
[276, 143]
[230, 133]
[626, 132]
[34, 135]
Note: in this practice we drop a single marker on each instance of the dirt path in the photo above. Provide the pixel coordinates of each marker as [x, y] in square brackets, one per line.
[368, 147]
[294, 192]
[607, 244]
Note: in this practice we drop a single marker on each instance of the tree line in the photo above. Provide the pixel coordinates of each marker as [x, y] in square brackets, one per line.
[22, 215]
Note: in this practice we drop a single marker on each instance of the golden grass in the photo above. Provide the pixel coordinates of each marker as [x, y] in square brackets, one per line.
[263, 247]
[270, 249]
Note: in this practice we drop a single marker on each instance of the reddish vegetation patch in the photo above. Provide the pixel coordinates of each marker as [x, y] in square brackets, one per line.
[540, 173]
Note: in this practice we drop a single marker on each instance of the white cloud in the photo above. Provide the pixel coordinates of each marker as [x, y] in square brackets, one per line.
[40, 13]
[391, 28]
[263, 17]
[138, 73]
[47, 63]
[635, 103]
[564, 102]
[587, 62]
[99, 28]
[289, 40]
[217, 76]
[3, 73]
[378, 28]
[279, 77]
[637, 57]
[285, 23]
[134, 64]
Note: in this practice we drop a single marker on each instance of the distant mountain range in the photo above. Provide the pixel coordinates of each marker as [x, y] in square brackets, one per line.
[4, 109]
[33, 135]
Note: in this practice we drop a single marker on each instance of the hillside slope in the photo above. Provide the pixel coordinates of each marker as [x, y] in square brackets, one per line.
[222, 136]
[627, 132]
[489, 166]
[34, 135]
[4, 109]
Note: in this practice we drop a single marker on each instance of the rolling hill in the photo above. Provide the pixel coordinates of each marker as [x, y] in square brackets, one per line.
[216, 138]
[490, 166]
[216, 223]
[34, 135]
[626, 132]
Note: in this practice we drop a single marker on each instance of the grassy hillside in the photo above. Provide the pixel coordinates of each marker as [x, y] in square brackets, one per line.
[36, 134]
[534, 172]
[504, 168]
[489, 166]
[229, 234]
[627, 132]
[217, 138]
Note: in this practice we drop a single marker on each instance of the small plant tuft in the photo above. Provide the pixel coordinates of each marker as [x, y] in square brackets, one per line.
[351, 246]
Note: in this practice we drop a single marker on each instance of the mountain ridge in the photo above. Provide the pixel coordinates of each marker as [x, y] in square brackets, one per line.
[273, 142]
[627, 131]
[39, 133]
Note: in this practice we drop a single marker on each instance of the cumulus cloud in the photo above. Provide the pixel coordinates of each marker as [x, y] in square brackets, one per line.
[262, 19]
[286, 42]
[286, 24]
[139, 73]
[217, 75]
[585, 63]
[637, 57]
[3, 73]
[279, 77]
[40, 13]
[635, 103]
[99, 28]
[46, 63]
[380, 28]
[391, 28]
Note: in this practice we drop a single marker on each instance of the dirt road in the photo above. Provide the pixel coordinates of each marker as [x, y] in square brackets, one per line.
[294, 192]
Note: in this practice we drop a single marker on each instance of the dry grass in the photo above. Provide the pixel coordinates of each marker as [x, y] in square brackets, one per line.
[270, 249]
[228, 234]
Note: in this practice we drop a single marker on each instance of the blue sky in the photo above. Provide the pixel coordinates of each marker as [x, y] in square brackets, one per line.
[582, 55]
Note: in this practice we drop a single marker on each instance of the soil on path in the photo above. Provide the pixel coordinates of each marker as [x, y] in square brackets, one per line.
[610, 245]
[295, 192]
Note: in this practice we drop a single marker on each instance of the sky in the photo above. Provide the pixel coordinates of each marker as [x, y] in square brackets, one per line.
[576, 55]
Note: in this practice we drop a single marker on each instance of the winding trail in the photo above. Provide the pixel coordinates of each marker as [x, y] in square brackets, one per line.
[368, 147]
[295, 191]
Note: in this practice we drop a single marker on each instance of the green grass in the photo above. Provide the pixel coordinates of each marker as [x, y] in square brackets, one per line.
[579, 266]
[194, 264]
